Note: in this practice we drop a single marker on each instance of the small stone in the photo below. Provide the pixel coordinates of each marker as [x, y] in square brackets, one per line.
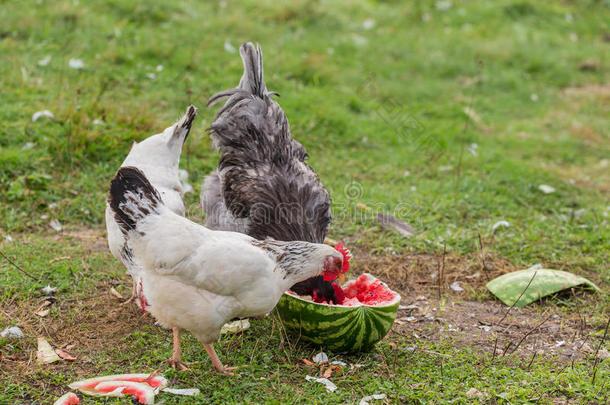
[44, 61]
[48, 290]
[368, 24]
[473, 392]
[443, 5]
[455, 286]
[228, 47]
[76, 63]
[546, 189]
[12, 332]
[56, 225]
[473, 149]
[320, 358]
[43, 313]
[365, 400]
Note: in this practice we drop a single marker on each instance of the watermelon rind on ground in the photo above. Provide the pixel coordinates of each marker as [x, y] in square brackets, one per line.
[522, 287]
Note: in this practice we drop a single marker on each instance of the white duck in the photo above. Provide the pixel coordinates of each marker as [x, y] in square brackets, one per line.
[157, 157]
[197, 279]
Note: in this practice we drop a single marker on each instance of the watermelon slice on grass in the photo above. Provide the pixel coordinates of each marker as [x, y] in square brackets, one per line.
[143, 392]
[341, 328]
[69, 398]
[157, 381]
[142, 386]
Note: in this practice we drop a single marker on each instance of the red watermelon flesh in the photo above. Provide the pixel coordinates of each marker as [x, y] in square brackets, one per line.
[363, 291]
[67, 399]
[143, 392]
[368, 293]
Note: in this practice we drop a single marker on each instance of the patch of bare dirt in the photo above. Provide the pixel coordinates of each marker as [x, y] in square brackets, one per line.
[595, 90]
[586, 132]
[432, 309]
[486, 328]
[83, 327]
[92, 239]
[415, 274]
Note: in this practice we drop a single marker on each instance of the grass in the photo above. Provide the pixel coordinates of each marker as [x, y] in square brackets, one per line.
[374, 90]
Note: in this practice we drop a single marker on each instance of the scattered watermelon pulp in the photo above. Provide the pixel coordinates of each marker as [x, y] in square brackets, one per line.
[353, 326]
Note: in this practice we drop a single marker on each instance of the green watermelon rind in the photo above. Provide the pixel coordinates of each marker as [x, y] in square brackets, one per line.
[338, 327]
[546, 282]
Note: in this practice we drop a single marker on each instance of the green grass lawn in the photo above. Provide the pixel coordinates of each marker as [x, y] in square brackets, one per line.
[449, 115]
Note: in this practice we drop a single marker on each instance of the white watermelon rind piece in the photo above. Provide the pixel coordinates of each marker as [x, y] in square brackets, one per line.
[67, 399]
[158, 382]
[95, 393]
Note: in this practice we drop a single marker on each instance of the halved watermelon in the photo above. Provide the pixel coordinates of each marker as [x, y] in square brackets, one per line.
[354, 327]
